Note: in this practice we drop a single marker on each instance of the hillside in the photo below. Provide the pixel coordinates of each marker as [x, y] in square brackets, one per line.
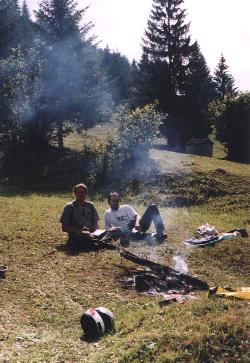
[46, 289]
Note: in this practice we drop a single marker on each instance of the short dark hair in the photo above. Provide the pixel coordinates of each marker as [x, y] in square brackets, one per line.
[113, 194]
[80, 185]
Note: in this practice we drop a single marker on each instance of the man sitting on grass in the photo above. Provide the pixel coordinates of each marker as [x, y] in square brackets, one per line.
[80, 219]
[123, 219]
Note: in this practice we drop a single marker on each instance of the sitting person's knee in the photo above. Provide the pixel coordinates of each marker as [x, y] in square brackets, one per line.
[152, 207]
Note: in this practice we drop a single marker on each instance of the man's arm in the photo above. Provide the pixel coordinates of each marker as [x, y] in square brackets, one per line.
[137, 223]
[69, 229]
[66, 221]
[95, 227]
[95, 219]
[107, 221]
[133, 215]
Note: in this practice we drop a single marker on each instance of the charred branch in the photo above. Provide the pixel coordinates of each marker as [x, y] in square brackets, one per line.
[158, 268]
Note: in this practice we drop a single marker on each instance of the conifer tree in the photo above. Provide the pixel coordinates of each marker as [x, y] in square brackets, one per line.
[166, 48]
[167, 40]
[118, 72]
[224, 81]
[9, 26]
[58, 22]
[26, 28]
[199, 91]
[152, 83]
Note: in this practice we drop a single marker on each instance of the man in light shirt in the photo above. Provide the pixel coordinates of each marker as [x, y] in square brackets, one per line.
[125, 218]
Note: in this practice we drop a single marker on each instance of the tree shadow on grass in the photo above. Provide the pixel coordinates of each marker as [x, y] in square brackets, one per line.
[24, 171]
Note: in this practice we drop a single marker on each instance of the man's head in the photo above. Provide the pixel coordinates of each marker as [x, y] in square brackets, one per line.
[80, 191]
[114, 200]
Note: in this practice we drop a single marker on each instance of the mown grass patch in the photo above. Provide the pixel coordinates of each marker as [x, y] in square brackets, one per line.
[98, 133]
[46, 290]
[184, 163]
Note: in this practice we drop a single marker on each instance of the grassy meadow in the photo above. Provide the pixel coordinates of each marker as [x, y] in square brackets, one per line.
[46, 290]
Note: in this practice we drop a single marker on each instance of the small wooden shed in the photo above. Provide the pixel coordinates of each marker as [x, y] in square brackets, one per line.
[199, 146]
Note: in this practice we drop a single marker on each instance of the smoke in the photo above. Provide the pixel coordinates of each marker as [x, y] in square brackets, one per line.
[180, 264]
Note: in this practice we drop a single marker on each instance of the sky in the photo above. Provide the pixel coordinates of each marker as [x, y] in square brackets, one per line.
[219, 26]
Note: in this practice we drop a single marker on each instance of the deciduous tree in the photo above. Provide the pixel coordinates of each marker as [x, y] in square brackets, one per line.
[22, 99]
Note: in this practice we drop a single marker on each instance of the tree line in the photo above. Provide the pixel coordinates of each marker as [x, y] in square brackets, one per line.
[55, 78]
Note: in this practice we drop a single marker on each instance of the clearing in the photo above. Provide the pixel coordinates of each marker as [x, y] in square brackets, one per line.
[46, 290]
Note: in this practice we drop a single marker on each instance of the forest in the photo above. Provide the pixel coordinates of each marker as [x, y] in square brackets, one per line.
[55, 79]
[72, 112]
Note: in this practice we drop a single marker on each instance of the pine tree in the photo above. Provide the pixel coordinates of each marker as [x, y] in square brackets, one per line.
[164, 64]
[199, 91]
[167, 40]
[59, 20]
[26, 28]
[9, 26]
[224, 81]
[152, 83]
[59, 24]
[118, 72]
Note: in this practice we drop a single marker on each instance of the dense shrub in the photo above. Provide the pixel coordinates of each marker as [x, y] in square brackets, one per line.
[231, 117]
[137, 130]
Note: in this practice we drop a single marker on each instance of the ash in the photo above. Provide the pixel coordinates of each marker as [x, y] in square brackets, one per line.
[148, 282]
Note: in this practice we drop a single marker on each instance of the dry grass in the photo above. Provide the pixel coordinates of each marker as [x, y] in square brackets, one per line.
[46, 290]
[171, 162]
[99, 133]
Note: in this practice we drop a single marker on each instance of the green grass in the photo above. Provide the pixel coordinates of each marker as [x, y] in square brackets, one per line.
[46, 290]
[97, 134]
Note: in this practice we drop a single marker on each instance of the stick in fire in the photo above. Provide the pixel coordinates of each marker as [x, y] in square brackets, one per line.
[195, 282]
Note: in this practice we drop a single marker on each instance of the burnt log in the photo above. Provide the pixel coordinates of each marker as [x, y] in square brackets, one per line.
[106, 242]
[142, 283]
[194, 281]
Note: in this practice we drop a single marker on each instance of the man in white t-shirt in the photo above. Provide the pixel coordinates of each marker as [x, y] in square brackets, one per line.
[125, 218]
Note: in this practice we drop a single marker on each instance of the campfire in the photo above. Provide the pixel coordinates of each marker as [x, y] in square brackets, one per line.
[157, 279]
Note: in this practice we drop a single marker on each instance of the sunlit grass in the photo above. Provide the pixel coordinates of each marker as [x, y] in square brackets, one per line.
[98, 133]
[46, 291]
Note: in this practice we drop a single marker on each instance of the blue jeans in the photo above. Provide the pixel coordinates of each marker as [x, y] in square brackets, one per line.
[150, 215]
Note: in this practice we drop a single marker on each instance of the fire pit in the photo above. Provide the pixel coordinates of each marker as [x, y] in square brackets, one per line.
[158, 279]
[157, 268]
